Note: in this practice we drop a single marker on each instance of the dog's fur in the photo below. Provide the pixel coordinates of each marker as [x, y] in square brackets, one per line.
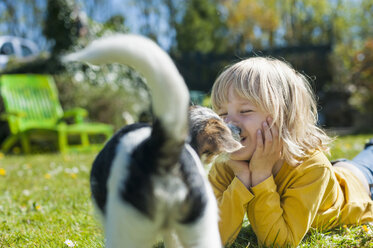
[147, 180]
[210, 136]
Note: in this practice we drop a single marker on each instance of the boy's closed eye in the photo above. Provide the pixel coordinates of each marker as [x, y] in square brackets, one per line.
[222, 113]
[246, 111]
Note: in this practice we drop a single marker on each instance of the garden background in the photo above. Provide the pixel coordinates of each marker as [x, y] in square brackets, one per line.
[44, 198]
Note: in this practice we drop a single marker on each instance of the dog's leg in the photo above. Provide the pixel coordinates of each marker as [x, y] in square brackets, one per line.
[199, 236]
[127, 228]
[171, 240]
[203, 233]
[126, 240]
[119, 235]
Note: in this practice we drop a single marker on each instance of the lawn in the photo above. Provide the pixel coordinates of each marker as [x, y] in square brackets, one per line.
[45, 202]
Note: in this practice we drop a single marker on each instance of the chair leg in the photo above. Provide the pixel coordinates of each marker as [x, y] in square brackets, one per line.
[25, 142]
[9, 142]
[84, 139]
[63, 141]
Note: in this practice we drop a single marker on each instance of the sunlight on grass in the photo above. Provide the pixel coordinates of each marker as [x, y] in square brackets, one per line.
[348, 146]
[45, 202]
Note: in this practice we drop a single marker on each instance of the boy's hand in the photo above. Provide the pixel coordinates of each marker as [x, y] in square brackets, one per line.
[241, 171]
[266, 154]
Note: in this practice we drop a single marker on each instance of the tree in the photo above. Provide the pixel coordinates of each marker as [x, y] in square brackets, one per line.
[251, 22]
[306, 21]
[201, 28]
[61, 27]
[362, 87]
[22, 18]
[257, 24]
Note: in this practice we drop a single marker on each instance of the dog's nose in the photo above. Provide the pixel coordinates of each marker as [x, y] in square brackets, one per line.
[236, 131]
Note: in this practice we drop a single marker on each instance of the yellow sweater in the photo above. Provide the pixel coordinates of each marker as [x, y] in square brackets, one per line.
[282, 209]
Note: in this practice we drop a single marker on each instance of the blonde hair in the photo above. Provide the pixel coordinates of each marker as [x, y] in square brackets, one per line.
[276, 88]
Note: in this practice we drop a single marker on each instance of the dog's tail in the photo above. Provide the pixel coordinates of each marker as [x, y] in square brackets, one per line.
[170, 96]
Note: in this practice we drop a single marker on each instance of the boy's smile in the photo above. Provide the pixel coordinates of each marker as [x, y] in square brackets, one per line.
[246, 116]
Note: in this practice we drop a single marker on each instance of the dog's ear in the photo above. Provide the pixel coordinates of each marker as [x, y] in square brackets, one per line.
[228, 144]
[218, 133]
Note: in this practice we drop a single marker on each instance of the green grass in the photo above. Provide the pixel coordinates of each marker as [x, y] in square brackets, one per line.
[45, 200]
[348, 146]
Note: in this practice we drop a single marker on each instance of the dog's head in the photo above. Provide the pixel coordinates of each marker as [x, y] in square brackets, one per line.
[210, 136]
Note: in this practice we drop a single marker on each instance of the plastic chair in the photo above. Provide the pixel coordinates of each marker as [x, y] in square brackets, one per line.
[32, 108]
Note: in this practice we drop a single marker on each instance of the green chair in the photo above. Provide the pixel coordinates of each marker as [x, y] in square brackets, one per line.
[33, 110]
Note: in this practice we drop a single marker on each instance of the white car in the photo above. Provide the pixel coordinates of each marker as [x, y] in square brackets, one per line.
[16, 47]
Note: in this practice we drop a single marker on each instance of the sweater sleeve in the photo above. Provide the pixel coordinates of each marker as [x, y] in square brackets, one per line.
[232, 197]
[284, 220]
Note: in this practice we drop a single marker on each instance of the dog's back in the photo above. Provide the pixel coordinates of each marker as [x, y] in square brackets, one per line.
[147, 181]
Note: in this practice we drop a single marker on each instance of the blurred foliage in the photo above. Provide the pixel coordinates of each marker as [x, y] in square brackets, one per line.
[202, 20]
[61, 25]
[362, 77]
[362, 84]
[111, 93]
[22, 18]
[245, 17]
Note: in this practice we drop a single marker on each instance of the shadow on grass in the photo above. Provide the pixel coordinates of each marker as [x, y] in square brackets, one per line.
[246, 238]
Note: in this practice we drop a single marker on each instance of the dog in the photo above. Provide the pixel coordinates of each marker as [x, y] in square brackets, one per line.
[210, 137]
[148, 180]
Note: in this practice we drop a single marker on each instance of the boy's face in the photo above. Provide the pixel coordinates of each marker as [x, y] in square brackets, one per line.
[246, 116]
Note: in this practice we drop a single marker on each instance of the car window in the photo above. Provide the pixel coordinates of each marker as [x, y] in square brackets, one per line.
[25, 51]
[7, 49]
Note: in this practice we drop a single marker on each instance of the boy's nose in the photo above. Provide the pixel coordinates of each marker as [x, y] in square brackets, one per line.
[233, 125]
[236, 131]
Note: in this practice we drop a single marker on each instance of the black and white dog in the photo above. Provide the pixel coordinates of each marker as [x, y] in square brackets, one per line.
[148, 181]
